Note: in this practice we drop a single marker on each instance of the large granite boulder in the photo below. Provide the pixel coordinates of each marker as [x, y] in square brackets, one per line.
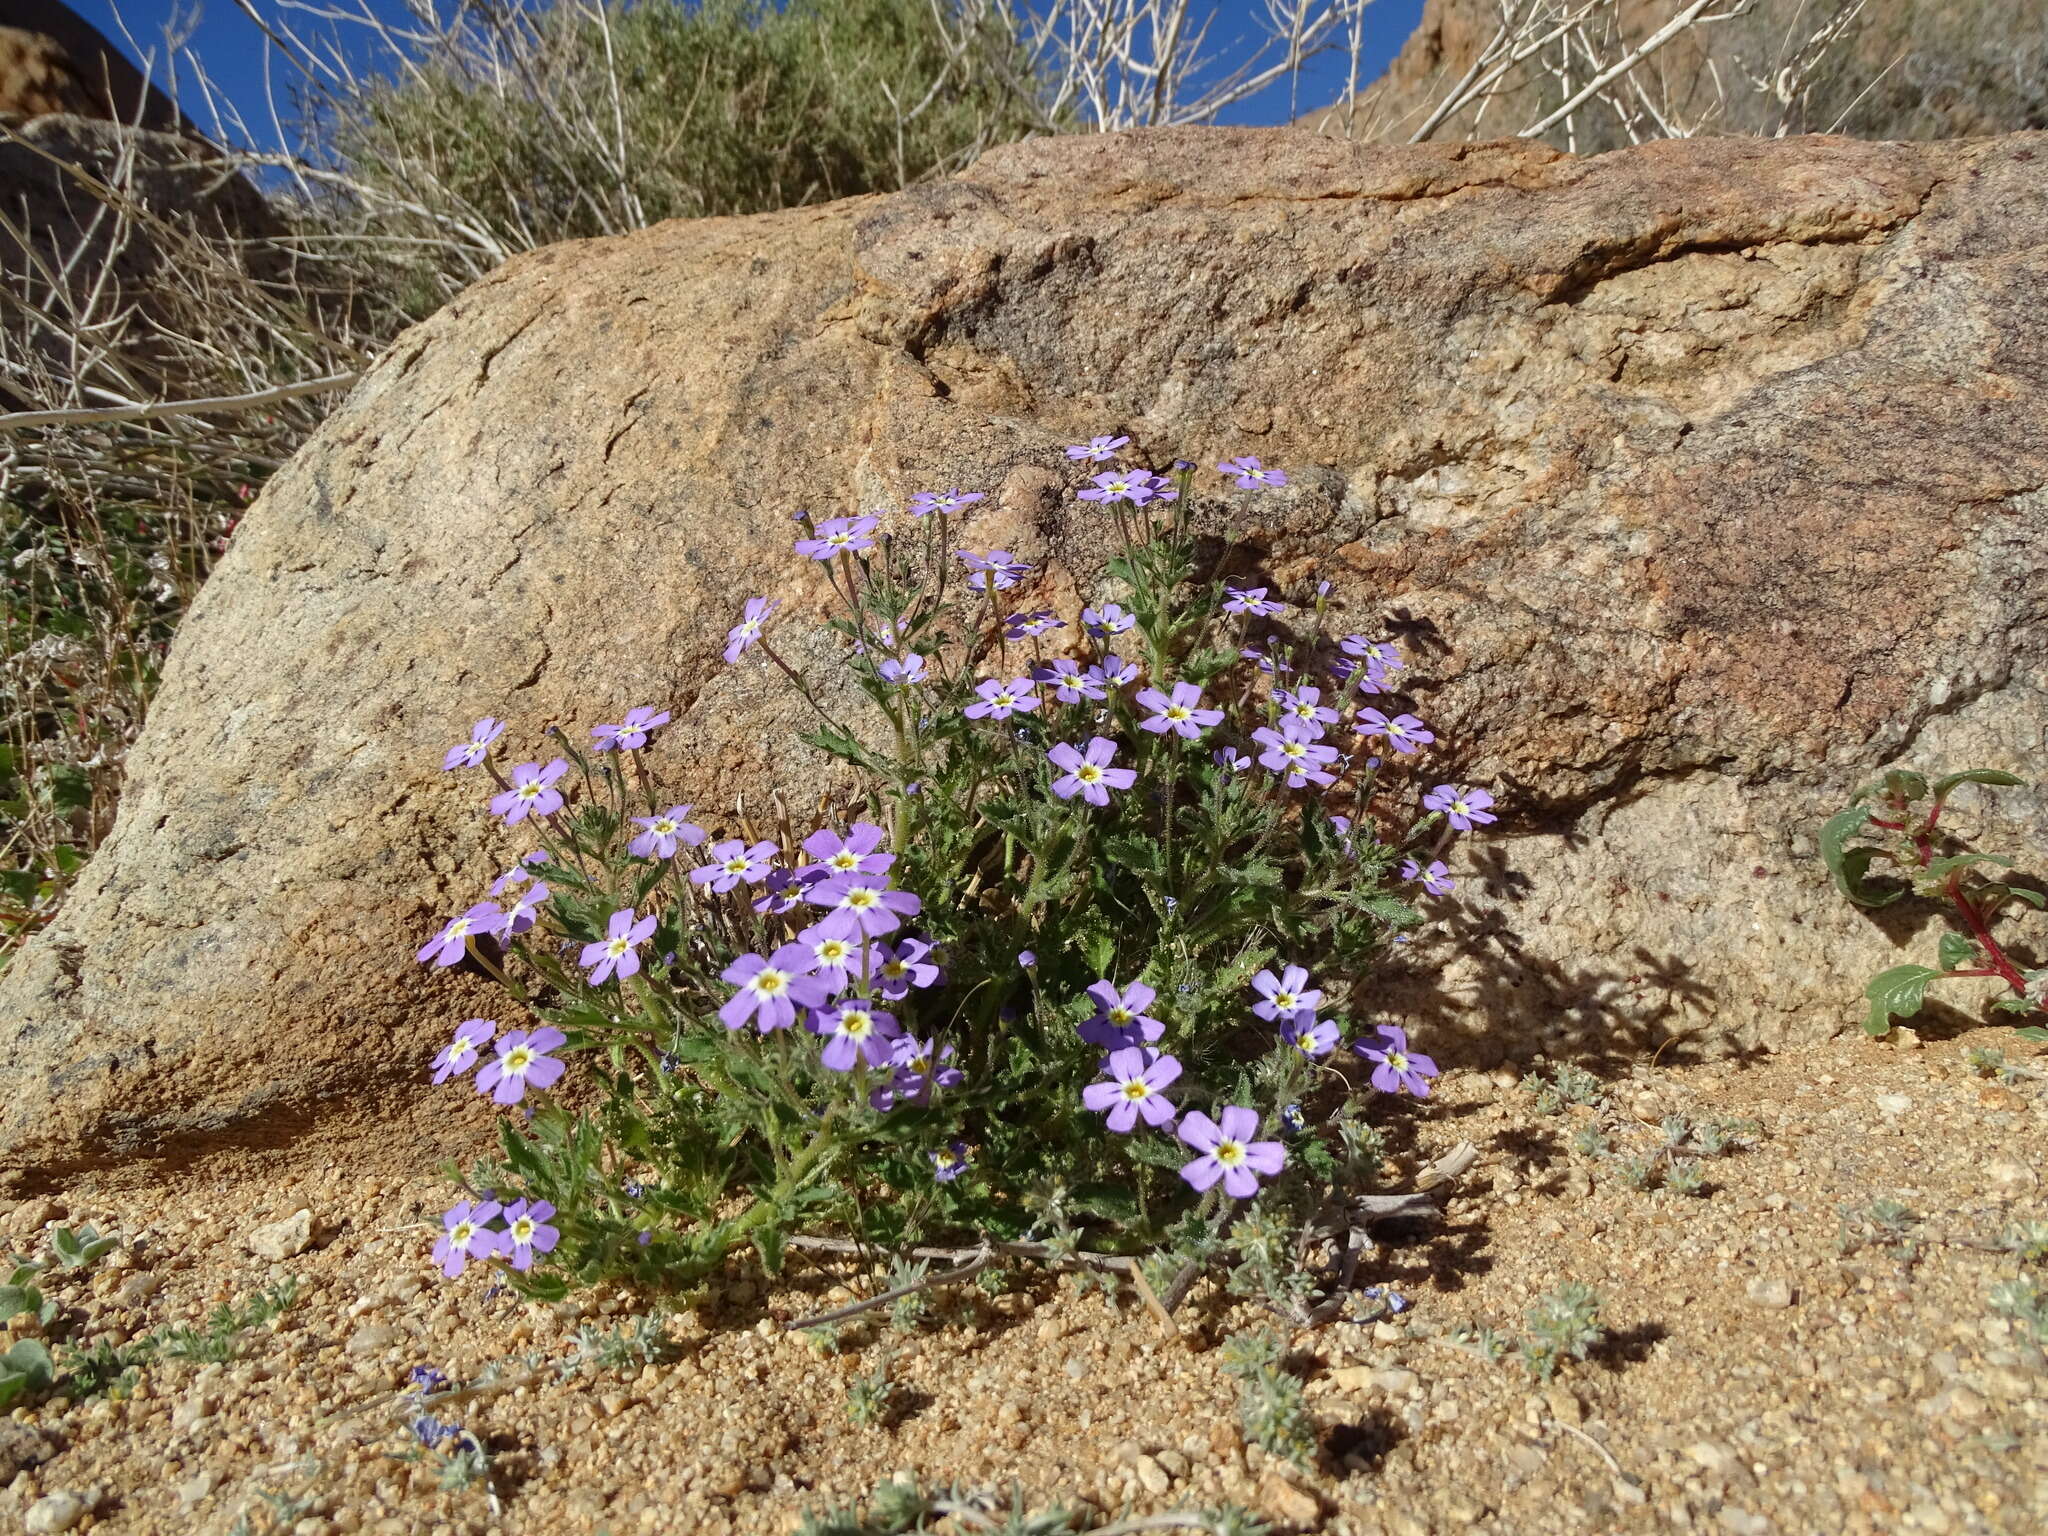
[1703, 479]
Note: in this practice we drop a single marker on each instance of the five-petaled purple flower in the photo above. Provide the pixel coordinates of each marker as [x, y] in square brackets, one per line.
[452, 942]
[1251, 600]
[1464, 808]
[1109, 619]
[1305, 706]
[1179, 712]
[464, 1236]
[1113, 672]
[999, 701]
[861, 904]
[1138, 1078]
[1283, 996]
[460, 1054]
[630, 733]
[1289, 750]
[1097, 450]
[1379, 654]
[1029, 626]
[731, 862]
[1228, 1151]
[921, 1066]
[855, 1032]
[1436, 879]
[771, 990]
[901, 674]
[840, 536]
[522, 1061]
[853, 854]
[753, 619]
[998, 569]
[925, 503]
[533, 792]
[1132, 485]
[949, 1161]
[1087, 772]
[519, 916]
[1120, 1018]
[835, 958]
[1070, 683]
[527, 1232]
[474, 750]
[617, 953]
[1251, 474]
[1309, 1035]
[1400, 1070]
[895, 969]
[1404, 733]
[663, 832]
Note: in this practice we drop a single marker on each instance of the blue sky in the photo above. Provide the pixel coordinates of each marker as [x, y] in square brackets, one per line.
[235, 52]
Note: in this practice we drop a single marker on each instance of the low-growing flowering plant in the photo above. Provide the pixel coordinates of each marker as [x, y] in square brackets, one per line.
[1090, 952]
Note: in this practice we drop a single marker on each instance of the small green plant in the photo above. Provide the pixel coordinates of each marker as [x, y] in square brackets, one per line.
[1481, 1341]
[643, 1341]
[81, 1249]
[2022, 1301]
[909, 1309]
[25, 1368]
[20, 1294]
[1676, 1162]
[2027, 1241]
[872, 1397]
[1885, 1225]
[1270, 1404]
[112, 1368]
[1686, 1176]
[1562, 1325]
[1895, 823]
[904, 1509]
[1566, 1084]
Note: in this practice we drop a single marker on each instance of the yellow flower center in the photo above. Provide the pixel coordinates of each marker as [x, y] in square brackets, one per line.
[1176, 712]
[1293, 749]
[522, 1230]
[735, 866]
[461, 1233]
[1121, 1015]
[1087, 773]
[1397, 1060]
[856, 1022]
[529, 789]
[832, 951]
[1287, 1000]
[618, 946]
[845, 859]
[860, 898]
[1461, 808]
[1135, 1091]
[518, 1059]
[768, 983]
[664, 826]
[1229, 1153]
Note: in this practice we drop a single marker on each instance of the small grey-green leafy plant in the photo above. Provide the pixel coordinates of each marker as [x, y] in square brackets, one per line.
[908, 1310]
[1481, 1341]
[81, 1249]
[21, 1294]
[1270, 1403]
[643, 1341]
[1686, 1176]
[2021, 1300]
[1566, 1084]
[1562, 1325]
[2026, 1240]
[872, 1397]
[1882, 1224]
[25, 1368]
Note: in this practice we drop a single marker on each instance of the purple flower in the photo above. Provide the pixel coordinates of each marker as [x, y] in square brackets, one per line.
[1228, 1152]
[999, 701]
[630, 733]
[1400, 1070]
[860, 904]
[452, 942]
[1379, 654]
[949, 1161]
[474, 750]
[771, 990]
[925, 503]
[1305, 706]
[920, 1068]
[1130, 485]
[896, 968]
[782, 891]
[1436, 879]
[1120, 1018]
[1026, 959]
[1271, 662]
[901, 674]
[1283, 996]
[998, 569]
[731, 862]
[1107, 620]
[1155, 488]
[464, 1238]
[527, 1232]
[1138, 1078]
[1291, 752]
[1250, 474]
[1250, 600]
[853, 854]
[1028, 626]
[1112, 672]
[1087, 772]
[753, 619]
[1179, 712]
[519, 917]
[1309, 1035]
[663, 832]
[1464, 807]
[522, 1060]
[1097, 450]
[518, 872]
[839, 536]
[1404, 733]
[1373, 678]
[855, 1031]
[1070, 683]
[617, 953]
[835, 958]
[457, 1057]
[532, 792]
[1230, 760]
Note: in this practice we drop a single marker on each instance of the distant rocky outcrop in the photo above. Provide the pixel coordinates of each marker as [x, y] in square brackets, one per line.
[55, 62]
[1700, 480]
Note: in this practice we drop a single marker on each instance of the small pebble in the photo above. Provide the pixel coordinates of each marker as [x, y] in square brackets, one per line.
[55, 1512]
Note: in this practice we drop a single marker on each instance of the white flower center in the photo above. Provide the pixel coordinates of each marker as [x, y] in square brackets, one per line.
[735, 866]
[459, 929]
[522, 1230]
[857, 1023]
[663, 826]
[832, 951]
[844, 859]
[1460, 808]
[861, 897]
[1121, 1016]
[1135, 1091]
[1005, 698]
[1087, 773]
[460, 1234]
[530, 789]
[461, 1050]
[1293, 749]
[617, 946]
[1286, 1000]
[768, 983]
[517, 1060]
[1229, 1153]
[1176, 712]
[1398, 1060]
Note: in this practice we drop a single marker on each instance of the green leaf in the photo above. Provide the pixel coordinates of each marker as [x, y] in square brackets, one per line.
[1896, 993]
[1957, 951]
[1905, 783]
[2004, 893]
[1997, 777]
[16, 1299]
[1849, 865]
[2032, 1032]
[1937, 868]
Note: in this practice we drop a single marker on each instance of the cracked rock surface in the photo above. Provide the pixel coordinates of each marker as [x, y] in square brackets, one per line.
[1700, 480]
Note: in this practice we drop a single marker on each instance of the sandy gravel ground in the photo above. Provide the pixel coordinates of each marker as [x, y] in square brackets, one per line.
[1757, 1378]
